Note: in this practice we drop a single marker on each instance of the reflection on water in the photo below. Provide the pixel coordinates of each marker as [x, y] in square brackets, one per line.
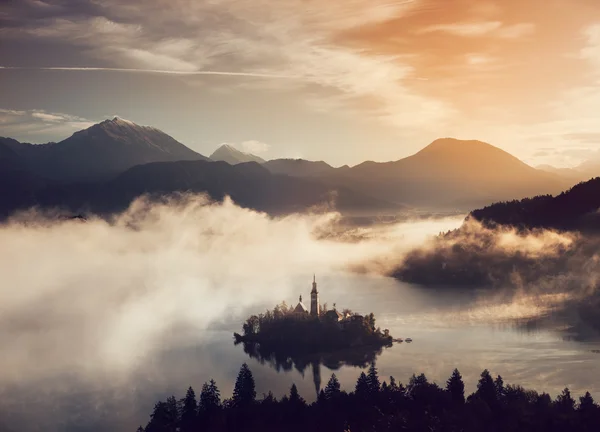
[525, 341]
[360, 357]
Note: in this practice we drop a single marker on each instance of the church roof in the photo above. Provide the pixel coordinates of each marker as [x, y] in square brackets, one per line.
[300, 308]
[334, 314]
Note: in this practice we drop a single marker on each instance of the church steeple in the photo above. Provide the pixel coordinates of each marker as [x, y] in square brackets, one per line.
[314, 298]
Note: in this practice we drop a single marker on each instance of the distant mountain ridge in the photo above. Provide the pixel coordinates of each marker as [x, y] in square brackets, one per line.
[231, 155]
[248, 184]
[449, 173]
[299, 167]
[102, 169]
[585, 171]
[100, 151]
[117, 154]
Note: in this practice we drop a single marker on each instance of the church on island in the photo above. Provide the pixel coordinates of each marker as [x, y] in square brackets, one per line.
[316, 310]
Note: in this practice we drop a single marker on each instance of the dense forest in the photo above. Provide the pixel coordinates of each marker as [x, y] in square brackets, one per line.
[378, 406]
[575, 209]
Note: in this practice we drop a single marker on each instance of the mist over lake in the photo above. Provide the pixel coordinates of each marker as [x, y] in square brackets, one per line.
[147, 305]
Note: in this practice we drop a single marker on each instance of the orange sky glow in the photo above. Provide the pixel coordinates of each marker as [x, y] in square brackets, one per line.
[342, 81]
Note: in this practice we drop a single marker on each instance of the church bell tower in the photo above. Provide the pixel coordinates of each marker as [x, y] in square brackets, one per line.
[314, 298]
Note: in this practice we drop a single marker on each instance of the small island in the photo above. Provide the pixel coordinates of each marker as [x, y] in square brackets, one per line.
[298, 331]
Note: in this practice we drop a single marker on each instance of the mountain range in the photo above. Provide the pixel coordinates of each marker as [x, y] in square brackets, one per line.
[104, 167]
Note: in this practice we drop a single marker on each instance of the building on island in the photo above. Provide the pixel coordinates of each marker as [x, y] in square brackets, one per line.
[315, 308]
[314, 298]
[334, 315]
[300, 308]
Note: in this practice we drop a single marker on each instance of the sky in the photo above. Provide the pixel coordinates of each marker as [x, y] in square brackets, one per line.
[342, 81]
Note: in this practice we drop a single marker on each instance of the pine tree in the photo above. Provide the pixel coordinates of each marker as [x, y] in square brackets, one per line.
[210, 398]
[189, 411]
[415, 383]
[173, 411]
[373, 380]
[332, 390]
[371, 321]
[500, 390]
[244, 392]
[393, 385]
[140, 429]
[163, 417]
[456, 387]
[295, 397]
[268, 399]
[362, 389]
[486, 388]
[564, 401]
[321, 398]
[587, 404]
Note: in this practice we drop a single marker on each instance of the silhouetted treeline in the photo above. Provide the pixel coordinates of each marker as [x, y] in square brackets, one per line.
[575, 209]
[378, 406]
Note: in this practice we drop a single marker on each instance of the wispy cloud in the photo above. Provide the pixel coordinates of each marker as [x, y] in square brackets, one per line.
[30, 125]
[484, 28]
[295, 39]
[499, 71]
[154, 71]
[254, 146]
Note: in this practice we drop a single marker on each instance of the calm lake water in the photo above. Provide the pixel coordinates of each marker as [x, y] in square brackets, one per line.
[519, 340]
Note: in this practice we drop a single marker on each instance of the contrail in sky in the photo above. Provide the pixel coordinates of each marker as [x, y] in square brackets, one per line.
[168, 72]
[156, 71]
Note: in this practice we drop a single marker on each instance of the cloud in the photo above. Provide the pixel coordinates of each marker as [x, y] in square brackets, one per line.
[26, 125]
[48, 117]
[156, 71]
[516, 31]
[484, 28]
[255, 147]
[464, 29]
[295, 39]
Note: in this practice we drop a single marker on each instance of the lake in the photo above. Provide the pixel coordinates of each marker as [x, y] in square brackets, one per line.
[521, 340]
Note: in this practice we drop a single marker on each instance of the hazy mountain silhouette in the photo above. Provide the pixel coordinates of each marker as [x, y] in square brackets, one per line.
[450, 173]
[300, 167]
[100, 152]
[233, 156]
[104, 167]
[248, 184]
[574, 209]
[567, 173]
[585, 171]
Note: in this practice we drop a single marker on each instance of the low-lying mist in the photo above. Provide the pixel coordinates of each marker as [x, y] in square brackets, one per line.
[90, 305]
[521, 266]
[96, 297]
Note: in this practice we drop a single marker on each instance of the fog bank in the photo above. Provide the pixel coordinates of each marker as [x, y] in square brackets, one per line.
[99, 297]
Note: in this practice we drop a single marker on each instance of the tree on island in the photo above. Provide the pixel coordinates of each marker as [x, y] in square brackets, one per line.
[296, 332]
